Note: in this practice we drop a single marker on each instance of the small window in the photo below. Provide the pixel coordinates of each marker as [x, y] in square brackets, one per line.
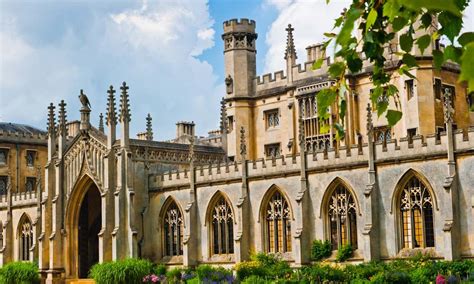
[409, 87]
[411, 132]
[272, 118]
[230, 123]
[382, 134]
[272, 150]
[437, 88]
[3, 185]
[30, 158]
[30, 184]
[380, 99]
[3, 156]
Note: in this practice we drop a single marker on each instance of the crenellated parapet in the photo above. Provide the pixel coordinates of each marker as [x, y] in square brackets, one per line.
[17, 136]
[239, 34]
[395, 151]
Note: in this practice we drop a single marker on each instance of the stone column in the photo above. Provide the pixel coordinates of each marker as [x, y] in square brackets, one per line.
[190, 240]
[242, 238]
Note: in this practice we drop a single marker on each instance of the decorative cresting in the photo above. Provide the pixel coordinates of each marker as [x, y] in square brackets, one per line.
[242, 36]
[222, 228]
[94, 152]
[173, 230]
[342, 218]
[416, 215]
[111, 115]
[149, 128]
[124, 114]
[290, 44]
[25, 235]
[278, 224]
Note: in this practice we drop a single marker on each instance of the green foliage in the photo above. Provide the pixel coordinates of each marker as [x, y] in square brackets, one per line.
[174, 275]
[320, 250]
[344, 252]
[19, 273]
[126, 271]
[160, 269]
[210, 274]
[378, 22]
[266, 266]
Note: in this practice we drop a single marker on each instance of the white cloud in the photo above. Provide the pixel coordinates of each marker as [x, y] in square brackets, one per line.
[152, 46]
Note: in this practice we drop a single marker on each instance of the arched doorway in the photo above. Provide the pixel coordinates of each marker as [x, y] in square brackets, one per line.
[89, 225]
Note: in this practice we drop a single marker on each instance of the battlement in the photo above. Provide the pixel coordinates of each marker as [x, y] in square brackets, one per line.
[270, 78]
[239, 25]
[405, 149]
[15, 135]
[20, 199]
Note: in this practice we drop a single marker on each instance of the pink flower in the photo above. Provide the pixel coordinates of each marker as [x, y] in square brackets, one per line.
[440, 279]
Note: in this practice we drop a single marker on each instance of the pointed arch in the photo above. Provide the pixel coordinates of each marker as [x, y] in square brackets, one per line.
[413, 201]
[221, 219]
[409, 173]
[276, 214]
[338, 181]
[25, 236]
[340, 209]
[172, 223]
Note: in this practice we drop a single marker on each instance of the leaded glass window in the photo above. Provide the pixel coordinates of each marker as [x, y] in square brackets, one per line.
[30, 158]
[278, 224]
[416, 215]
[3, 156]
[30, 184]
[26, 239]
[173, 229]
[222, 227]
[342, 218]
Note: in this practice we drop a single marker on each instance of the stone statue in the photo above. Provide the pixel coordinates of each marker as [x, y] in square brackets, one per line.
[84, 100]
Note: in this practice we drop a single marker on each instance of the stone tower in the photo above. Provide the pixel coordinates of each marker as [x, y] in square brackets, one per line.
[240, 67]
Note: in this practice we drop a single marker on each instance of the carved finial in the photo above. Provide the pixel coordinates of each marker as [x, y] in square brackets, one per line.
[111, 115]
[191, 149]
[62, 118]
[229, 84]
[51, 119]
[101, 122]
[370, 126]
[223, 117]
[243, 146]
[290, 44]
[124, 115]
[448, 106]
[301, 135]
[149, 128]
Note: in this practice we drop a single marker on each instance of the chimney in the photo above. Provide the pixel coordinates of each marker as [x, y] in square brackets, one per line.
[184, 128]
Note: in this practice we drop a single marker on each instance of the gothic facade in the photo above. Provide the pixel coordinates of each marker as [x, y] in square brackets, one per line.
[270, 180]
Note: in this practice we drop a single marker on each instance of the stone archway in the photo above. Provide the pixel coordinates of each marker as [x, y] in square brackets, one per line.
[89, 226]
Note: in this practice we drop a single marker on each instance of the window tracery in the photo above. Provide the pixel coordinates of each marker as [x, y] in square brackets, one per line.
[278, 224]
[222, 227]
[26, 239]
[342, 218]
[173, 229]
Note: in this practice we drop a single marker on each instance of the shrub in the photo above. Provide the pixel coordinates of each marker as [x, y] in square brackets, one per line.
[397, 277]
[254, 279]
[19, 272]
[207, 273]
[174, 275]
[320, 250]
[126, 271]
[344, 252]
[160, 269]
[249, 268]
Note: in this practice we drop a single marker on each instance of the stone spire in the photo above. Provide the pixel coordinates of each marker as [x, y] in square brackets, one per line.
[51, 120]
[243, 144]
[224, 126]
[290, 52]
[149, 128]
[370, 126]
[62, 118]
[124, 115]
[301, 135]
[101, 122]
[111, 114]
[448, 106]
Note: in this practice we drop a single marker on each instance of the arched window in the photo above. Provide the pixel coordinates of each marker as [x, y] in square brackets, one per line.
[278, 224]
[222, 220]
[342, 218]
[416, 215]
[26, 238]
[173, 229]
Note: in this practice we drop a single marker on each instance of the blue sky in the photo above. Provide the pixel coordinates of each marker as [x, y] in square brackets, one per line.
[168, 51]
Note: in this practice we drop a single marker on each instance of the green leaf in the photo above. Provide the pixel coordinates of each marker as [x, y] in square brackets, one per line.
[371, 18]
[390, 9]
[393, 116]
[354, 63]
[423, 42]
[391, 90]
[452, 53]
[437, 5]
[339, 131]
[426, 20]
[406, 42]
[466, 38]
[346, 31]
[325, 98]
[382, 106]
[451, 26]
[324, 127]
[399, 23]
[409, 60]
[317, 64]
[336, 69]
[330, 35]
[438, 59]
[342, 109]
[375, 94]
[467, 66]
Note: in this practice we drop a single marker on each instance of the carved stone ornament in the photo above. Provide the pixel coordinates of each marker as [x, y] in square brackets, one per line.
[229, 85]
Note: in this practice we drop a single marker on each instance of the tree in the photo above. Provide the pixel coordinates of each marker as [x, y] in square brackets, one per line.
[378, 22]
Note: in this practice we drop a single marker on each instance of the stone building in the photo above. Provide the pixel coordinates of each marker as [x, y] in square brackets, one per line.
[269, 180]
